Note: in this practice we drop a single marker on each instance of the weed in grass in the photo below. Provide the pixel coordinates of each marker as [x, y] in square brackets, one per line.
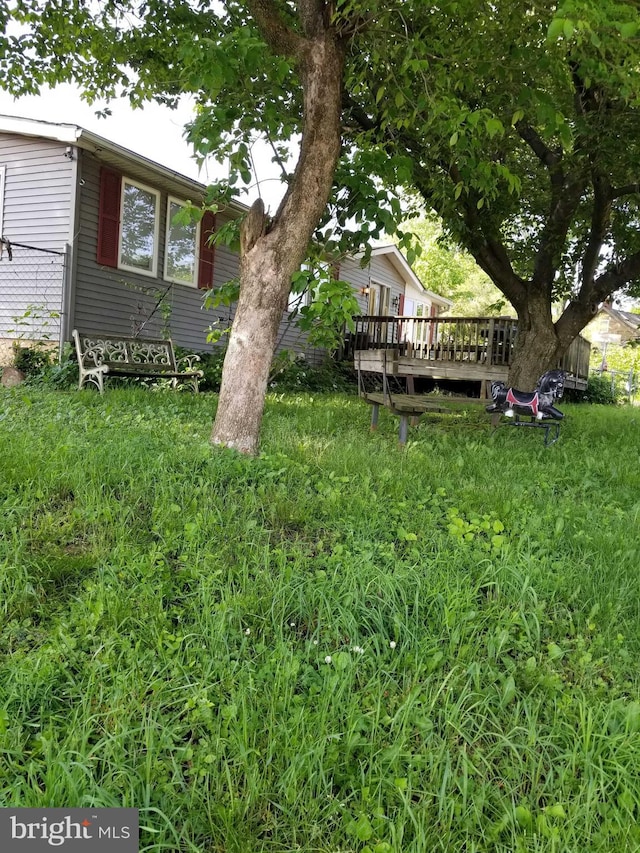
[337, 646]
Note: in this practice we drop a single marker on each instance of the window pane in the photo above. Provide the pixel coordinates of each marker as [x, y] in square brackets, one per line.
[137, 247]
[181, 248]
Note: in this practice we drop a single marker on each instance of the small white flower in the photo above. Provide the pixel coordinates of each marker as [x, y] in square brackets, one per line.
[247, 631]
[315, 642]
[327, 659]
[292, 624]
[358, 650]
[392, 644]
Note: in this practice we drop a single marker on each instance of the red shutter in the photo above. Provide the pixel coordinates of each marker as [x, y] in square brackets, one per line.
[401, 304]
[109, 218]
[207, 251]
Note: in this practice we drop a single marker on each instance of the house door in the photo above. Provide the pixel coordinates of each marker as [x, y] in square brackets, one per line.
[379, 300]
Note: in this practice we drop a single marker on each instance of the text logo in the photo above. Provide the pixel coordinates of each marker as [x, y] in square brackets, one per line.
[73, 830]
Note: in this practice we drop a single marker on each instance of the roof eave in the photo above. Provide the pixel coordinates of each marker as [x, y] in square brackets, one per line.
[73, 134]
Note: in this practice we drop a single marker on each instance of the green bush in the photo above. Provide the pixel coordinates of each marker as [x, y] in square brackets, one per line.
[295, 373]
[599, 389]
[211, 365]
[61, 375]
[289, 372]
[31, 359]
[41, 370]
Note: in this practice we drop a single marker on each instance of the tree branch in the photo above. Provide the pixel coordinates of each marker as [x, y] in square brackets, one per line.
[600, 219]
[491, 255]
[279, 36]
[580, 310]
[628, 189]
[547, 156]
[617, 276]
[565, 198]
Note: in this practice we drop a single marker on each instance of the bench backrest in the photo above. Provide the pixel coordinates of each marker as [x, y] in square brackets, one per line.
[112, 349]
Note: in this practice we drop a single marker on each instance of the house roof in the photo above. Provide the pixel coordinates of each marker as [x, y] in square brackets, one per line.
[401, 264]
[109, 152]
[148, 171]
[632, 321]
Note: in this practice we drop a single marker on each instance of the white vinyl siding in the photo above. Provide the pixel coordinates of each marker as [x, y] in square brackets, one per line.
[35, 198]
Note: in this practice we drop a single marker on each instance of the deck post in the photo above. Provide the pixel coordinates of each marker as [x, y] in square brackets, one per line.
[490, 343]
[404, 430]
[375, 411]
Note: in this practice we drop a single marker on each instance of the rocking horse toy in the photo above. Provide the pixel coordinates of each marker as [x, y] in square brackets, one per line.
[537, 404]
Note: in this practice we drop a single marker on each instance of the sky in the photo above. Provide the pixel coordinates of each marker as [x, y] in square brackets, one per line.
[153, 131]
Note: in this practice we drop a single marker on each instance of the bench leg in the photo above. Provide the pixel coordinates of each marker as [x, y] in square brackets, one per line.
[94, 376]
[375, 411]
[404, 430]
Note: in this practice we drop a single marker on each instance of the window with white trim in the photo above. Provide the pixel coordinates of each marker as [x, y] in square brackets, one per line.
[182, 241]
[139, 228]
[296, 299]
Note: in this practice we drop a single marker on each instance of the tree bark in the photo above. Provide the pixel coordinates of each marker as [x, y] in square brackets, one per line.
[537, 347]
[270, 255]
[263, 294]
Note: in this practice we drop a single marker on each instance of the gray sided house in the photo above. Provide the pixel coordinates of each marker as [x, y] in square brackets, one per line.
[89, 241]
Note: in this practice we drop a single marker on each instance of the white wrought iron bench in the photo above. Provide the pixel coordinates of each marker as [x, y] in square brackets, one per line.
[100, 356]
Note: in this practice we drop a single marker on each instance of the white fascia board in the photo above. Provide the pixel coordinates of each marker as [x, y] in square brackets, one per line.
[68, 133]
[72, 134]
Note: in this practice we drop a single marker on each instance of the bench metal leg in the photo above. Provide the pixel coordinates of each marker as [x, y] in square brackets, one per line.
[375, 411]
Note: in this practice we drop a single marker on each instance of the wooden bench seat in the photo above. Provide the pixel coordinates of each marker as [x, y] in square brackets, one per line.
[404, 405]
[396, 393]
[101, 355]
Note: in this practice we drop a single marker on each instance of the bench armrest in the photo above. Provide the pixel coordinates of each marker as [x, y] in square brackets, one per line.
[186, 362]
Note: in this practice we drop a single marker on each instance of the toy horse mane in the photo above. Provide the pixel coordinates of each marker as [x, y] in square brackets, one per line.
[538, 403]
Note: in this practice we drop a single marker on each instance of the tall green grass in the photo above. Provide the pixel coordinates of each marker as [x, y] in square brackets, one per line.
[339, 646]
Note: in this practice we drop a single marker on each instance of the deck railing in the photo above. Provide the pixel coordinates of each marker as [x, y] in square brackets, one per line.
[480, 340]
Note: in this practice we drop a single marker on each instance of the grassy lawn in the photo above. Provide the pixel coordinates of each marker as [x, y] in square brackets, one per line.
[337, 647]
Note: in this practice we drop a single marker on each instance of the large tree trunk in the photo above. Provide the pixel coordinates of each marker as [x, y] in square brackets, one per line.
[270, 255]
[263, 296]
[537, 348]
[541, 343]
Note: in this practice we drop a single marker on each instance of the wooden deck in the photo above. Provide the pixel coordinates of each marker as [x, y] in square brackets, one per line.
[453, 348]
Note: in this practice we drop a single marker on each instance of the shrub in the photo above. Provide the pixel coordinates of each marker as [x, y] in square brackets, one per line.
[211, 365]
[289, 372]
[40, 369]
[295, 373]
[31, 359]
[61, 375]
[599, 389]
